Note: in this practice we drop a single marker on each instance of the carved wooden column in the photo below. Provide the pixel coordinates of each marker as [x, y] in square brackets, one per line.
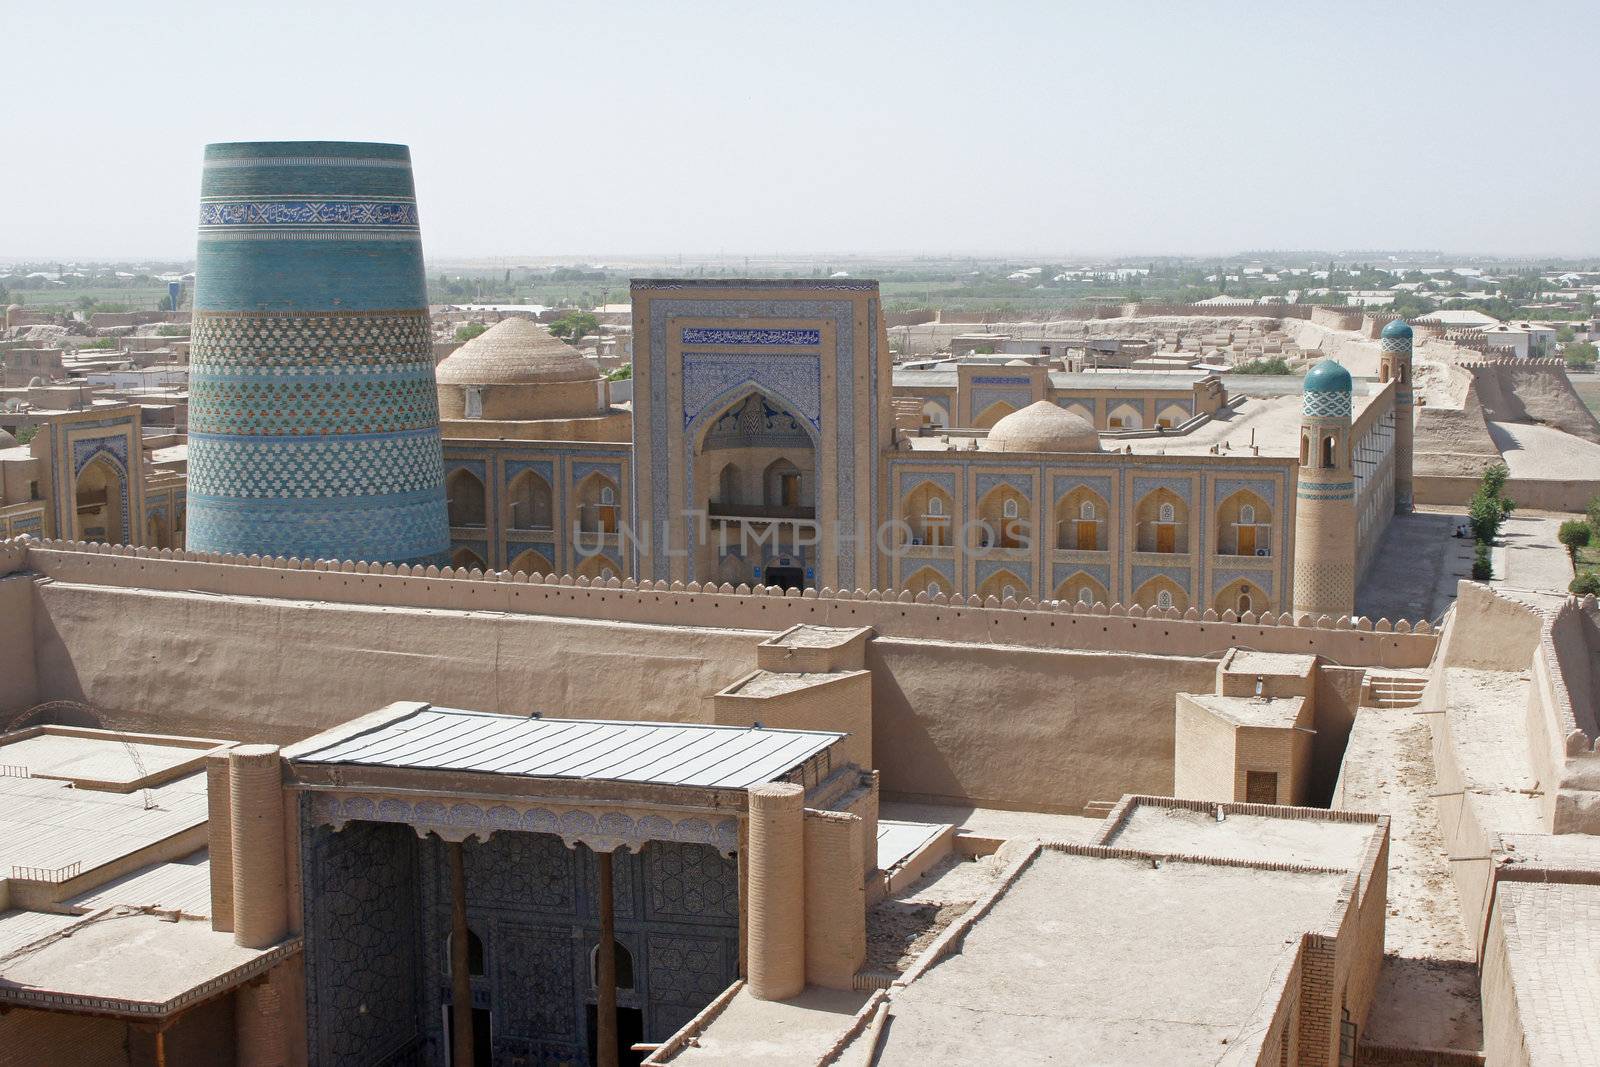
[606, 979]
[461, 1051]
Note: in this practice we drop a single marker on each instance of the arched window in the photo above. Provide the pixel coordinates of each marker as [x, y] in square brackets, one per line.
[1327, 451]
[608, 496]
[624, 960]
[465, 498]
[933, 589]
[474, 953]
[1305, 450]
[1086, 595]
[1008, 592]
[935, 506]
[1244, 602]
[1164, 600]
[1086, 510]
[1010, 509]
[1247, 514]
[1167, 513]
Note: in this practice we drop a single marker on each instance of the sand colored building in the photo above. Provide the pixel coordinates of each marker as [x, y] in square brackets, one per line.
[91, 475]
[764, 471]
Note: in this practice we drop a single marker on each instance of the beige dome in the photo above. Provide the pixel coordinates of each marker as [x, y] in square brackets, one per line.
[515, 352]
[6, 440]
[1043, 427]
[1018, 363]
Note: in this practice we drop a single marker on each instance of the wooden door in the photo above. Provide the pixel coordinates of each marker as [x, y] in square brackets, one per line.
[1247, 540]
[1087, 535]
[789, 490]
[1166, 537]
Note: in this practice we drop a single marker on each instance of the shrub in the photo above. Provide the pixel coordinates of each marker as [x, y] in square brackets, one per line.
[1594, 515]
[1274, 365]
[470, 330]
[1494, 480]
[1585, 583]
[1481, 570]
[1575, 534]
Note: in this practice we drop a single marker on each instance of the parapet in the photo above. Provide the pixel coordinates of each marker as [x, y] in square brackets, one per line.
[890, 613]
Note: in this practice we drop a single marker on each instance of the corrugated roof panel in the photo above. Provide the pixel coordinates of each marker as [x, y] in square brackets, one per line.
[691, 754]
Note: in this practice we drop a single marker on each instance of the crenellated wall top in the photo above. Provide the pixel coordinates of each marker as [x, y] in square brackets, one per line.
[1049, 623]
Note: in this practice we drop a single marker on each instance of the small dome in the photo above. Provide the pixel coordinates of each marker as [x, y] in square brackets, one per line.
[514, 352]
[1043, 427]
[1328, 376]
[1018, 363]
[1397, 328]
[6, 440]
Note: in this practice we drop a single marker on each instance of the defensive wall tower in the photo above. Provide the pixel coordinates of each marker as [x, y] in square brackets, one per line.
[1325, 499]
[313, 418]
[1395, 365]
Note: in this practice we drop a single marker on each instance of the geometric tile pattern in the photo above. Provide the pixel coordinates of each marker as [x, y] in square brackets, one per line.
[796, 382]
[310, 406]
[320, 529]
[1330, 405]
[298, 469]
[341, 343]
[313, 432]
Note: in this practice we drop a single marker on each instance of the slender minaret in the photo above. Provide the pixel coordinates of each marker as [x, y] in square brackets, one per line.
[313, 413]
[1325, 500]
[1395, 366]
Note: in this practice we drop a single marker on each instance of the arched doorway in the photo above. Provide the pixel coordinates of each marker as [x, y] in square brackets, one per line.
[528, 500]
[101, 500]
[755, 469]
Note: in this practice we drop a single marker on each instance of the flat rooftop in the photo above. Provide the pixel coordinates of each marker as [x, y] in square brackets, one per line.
[1280, 712]
[128, 962]
[102, 759]
[1113, 961]
[52, 825]
[1314, 842]
[1249, 661]
[655, 753]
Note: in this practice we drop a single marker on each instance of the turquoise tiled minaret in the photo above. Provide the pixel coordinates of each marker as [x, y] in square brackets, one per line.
[1395, 366]
[313, 418]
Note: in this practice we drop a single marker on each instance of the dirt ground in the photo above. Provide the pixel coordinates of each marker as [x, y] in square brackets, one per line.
[1428, 991]
[901, 926]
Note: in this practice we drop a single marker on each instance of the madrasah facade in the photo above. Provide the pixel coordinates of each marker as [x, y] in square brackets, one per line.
[768, 443]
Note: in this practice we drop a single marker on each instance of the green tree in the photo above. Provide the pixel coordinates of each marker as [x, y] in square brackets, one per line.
[1489, 508]
[1593, 511]
[575, 325]
[1482, 571]
[621, 374]
[1579, 353]
[1575, 534]
[470, 330]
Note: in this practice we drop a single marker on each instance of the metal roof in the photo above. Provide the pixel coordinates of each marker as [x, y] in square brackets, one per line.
[658, 753]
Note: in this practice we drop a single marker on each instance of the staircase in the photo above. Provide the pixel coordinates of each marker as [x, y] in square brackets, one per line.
[1394, 690]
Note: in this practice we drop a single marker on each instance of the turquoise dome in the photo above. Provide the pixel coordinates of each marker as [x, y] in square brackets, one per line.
[1397, 328]
[1328, 376]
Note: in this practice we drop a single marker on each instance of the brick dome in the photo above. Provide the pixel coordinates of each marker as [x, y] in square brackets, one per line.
[515, 351]
[1043, 427]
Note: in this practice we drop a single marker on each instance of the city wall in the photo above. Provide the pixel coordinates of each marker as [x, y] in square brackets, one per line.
[1032, 708]
[1478, 797]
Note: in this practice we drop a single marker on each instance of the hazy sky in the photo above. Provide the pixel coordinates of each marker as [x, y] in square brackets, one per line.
[863, 127]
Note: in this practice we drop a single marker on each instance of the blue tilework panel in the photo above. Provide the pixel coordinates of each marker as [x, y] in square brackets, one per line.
[314, 420]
